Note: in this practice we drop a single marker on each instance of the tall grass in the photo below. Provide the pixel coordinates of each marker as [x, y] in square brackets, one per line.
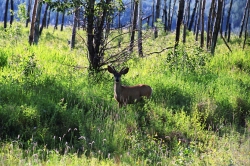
[53, 112]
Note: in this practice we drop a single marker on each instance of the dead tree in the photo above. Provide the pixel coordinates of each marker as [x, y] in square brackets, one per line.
[6, 14]
[157, 16]
[37, 23]
[193, 15]
[179, 21]
[210, 24]
[244, 18]
[228, 19]
[132, 37]
[202, 23]
[198, 21]
[28, 13]
[140, 29]
[246, 27]
[12, 11]
[216, 26]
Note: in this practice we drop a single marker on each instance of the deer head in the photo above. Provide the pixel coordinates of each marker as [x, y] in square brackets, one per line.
[128, 94]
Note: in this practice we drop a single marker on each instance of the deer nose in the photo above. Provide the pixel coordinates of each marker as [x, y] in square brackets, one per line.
[116, 79]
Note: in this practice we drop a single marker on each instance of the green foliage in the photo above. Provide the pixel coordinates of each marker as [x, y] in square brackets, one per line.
[52, 112]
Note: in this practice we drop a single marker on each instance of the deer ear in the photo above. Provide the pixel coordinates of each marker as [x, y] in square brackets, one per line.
[111, 69]
[124, 70]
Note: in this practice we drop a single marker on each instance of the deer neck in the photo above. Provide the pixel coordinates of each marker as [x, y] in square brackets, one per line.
[117, 88]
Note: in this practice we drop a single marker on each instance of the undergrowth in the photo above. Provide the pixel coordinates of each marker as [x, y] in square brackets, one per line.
[53, 112]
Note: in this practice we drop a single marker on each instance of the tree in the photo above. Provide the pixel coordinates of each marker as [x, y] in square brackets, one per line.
[210, 23]
[37, 23]
[28, 13]
[198, 21]
[244, 18]
[32, 27]
[12, 11]
[202, 23]
[228, 19]
[44, 19]
[132, 37]
[179, 21]
[73, 36]
[6, 14]
[140, 29]
[157, 16]
[193, 15]
[216, 26]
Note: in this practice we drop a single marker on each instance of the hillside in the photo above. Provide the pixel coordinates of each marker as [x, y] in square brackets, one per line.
[54, 112]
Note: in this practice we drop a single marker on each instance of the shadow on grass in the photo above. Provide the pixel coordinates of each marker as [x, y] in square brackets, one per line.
[172, 97]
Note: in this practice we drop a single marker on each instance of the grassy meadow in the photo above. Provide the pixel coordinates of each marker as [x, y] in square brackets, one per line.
[53, 112]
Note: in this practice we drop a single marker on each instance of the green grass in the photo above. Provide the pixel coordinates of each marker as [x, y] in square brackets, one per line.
[52, 112]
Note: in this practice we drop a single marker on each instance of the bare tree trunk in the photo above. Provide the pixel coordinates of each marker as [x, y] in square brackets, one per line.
[37, 22]
[63, 16]
[186, 18]
[222, 19]
[56, 23]
[44, 19]
[73, 36]
[165, 15]
[140, 29]
[48, 20]
[210, 24]
[28, 13]
[198, 22]
[132, 37]
[179, 21]
[228, 17]
[157, 16]
[12, 11]
[202, 23]
[153, 14]
[32, 27]
[243, 18]
[173, 11]
[217, 26]
[6, 14]
[193, 15]
[246, 28]
[169, 11]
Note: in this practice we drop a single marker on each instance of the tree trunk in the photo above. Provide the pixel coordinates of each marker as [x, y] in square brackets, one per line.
[28, 13]
[169, 11]
[48, 20]
[12, 12]
[171, 19]
[222, 19]
[198, 22]
[132, 37]
[193, 15]
[32, 26]
[165, 19]
[56, 23]
[157, 16]
[217, 26]
[44, 19]
[228, 17]
[179, 21]
[63, 16]
[202, 23]
[37, 23]
[243, 18]
[153, 13]
[140, 29]
[73, 36]
[246, 28]
[6, 14]
[209, 25]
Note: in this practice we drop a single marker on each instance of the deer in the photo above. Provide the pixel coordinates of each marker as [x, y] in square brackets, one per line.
[128, 94]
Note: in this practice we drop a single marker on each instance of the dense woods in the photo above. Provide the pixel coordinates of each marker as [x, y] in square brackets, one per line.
[57, 98]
